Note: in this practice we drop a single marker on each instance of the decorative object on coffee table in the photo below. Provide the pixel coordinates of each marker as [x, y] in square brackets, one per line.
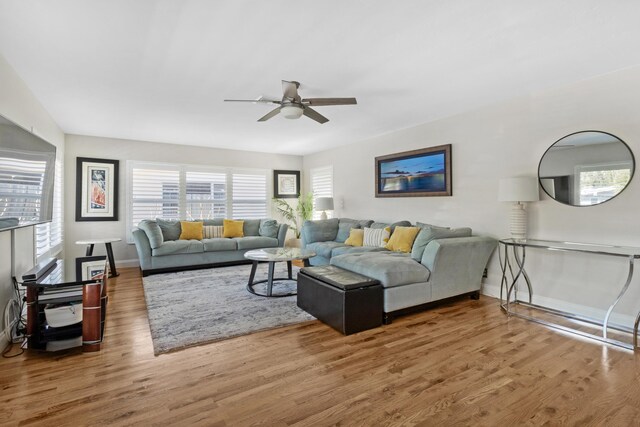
[96, 189]
[107, 243]
[271, 256]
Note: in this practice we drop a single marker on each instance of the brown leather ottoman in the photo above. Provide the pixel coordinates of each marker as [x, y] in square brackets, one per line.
[346, 301]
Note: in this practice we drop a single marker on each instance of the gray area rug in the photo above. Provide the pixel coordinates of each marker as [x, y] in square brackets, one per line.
[200, 306]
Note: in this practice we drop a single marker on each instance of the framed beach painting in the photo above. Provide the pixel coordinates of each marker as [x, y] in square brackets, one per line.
[286, 184]
[96, 189]
[90, 268]
[417, 173]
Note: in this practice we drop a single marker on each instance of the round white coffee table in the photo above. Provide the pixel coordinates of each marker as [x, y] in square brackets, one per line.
[273, 255]
[107, 244]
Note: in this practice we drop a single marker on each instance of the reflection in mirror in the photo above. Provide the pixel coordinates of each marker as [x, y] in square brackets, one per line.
[586, 168]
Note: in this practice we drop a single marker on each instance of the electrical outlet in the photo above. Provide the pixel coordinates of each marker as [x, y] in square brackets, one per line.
[485, 274]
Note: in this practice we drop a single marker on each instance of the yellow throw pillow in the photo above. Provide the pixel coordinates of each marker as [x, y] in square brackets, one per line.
[356, 237]
[231, 228]
[191, 230]
[402, 239]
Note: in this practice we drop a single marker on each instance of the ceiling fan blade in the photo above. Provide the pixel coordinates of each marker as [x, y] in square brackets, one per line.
[270, 114]
[329, 101]
[314, 115]
[290, 90]
[259, 100]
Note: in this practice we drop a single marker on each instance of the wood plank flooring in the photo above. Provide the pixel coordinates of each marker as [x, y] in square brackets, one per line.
[462, 363]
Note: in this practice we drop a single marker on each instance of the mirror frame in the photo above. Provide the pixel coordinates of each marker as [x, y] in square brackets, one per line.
[633, 160]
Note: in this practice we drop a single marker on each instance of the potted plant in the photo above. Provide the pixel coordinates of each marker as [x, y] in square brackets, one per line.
[295, 217]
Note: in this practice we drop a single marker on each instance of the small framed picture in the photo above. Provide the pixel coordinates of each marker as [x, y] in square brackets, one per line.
[286, 184]
[90, 268]
[96, 189]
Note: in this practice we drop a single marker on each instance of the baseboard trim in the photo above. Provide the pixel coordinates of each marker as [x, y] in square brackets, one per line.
[4, 342]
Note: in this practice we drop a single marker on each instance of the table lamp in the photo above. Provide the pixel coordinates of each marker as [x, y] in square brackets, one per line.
[324, 204]
[518, 190]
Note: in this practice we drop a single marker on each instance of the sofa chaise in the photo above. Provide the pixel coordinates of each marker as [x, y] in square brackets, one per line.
[442, 262]
[160, 250]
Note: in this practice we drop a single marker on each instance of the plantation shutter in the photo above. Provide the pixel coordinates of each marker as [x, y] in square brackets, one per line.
[155, 193]
[249, 192]
[206, 195]
[321, 186]
[49, 236]
[21, 186]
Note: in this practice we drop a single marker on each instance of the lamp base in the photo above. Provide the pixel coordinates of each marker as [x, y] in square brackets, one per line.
[323, 215]
[518, 222]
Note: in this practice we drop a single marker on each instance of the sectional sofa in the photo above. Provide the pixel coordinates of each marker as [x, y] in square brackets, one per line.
[442, 263]
[160, 250]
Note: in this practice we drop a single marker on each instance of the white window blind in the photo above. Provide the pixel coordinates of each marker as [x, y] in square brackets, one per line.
[49, 236]
[21, 186]
[321, 186]
[249, 195]
[206, 195]
[194, 192]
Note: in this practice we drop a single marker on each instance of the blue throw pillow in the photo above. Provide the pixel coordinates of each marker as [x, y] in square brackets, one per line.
[344, 228]
[171, 229]
[268, 228]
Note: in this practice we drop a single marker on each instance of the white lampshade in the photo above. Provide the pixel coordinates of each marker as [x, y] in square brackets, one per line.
[324, 204]
[518, 189]
[291, 111]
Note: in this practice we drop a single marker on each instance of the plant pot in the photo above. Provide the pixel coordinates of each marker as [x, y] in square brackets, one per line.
[293, 243]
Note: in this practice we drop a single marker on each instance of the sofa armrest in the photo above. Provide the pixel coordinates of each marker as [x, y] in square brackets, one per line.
[143, 247]
[282, 234]
[457, 264]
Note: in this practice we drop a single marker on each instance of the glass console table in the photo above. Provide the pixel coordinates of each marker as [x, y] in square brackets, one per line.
[512, 254]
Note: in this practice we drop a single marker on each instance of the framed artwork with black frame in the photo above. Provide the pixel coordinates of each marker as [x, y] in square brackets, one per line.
[90, 268]
[418, 173]
[286, 184]
[96, 189]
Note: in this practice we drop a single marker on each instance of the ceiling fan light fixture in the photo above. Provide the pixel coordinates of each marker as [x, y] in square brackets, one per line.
[291, 111]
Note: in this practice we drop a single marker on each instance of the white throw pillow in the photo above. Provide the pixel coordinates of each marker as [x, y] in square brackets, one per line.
[376, 237]
[211, 231]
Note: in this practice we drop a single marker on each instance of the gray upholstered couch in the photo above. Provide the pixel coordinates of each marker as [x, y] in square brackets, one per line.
[160, 250]
[443, 262]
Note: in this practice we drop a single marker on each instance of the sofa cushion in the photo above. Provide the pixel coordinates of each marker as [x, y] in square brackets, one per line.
[319, 231]
[268, 228]
[402, 239]
[356, 237]
[191, 230]
[324, 249]
[232, 228]
[361, 223]
[212, 232]
[219, 244]
[424, 225]
[153, 232]
[256, 242]
[428, 234]
[216, 222]
[174, 247]
[354, 250]
[170, 228]
[251, 227]
[344, 228]
[390, 268]
[393, 226]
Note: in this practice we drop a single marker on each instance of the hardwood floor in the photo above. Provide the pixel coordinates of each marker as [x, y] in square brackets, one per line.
[462, 363]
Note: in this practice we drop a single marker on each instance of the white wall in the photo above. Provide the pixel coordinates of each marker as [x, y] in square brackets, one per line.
[107, 148]
[19, 105]
[508, 139]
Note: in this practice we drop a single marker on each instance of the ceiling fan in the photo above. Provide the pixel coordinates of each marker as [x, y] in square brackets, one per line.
[292, 106]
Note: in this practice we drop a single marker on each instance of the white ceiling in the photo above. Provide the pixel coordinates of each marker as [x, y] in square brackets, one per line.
[159, 70]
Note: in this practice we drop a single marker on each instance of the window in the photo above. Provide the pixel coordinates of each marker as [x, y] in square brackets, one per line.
[321, 186]
[49, 236]
[194, 192]
[599, 183]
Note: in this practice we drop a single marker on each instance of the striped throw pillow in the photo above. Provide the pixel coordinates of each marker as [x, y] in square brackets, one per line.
[212, 231]
[376, 237]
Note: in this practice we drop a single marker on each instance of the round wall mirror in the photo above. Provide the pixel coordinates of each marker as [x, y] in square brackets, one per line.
[586, 168]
